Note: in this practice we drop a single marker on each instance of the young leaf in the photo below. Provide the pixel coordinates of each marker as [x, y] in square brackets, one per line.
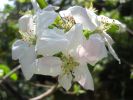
[42, 3]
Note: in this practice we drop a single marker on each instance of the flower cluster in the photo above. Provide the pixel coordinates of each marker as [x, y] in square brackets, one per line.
[54, 44]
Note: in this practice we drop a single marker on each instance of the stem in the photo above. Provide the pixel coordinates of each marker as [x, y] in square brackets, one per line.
[45, 94]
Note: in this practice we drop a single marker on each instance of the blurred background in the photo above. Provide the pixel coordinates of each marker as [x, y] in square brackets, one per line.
[113, 81]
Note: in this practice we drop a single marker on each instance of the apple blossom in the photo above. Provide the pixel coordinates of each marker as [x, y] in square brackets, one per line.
[74, 68]
[93, 22]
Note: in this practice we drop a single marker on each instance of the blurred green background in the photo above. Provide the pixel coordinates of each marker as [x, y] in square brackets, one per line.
[113, 81]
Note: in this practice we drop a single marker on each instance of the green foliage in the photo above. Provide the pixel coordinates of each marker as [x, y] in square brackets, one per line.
[42, 3]
[77, 89]
[5, 70]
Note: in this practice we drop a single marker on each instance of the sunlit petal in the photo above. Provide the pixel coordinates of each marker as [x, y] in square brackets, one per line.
[26, 24]
[85, 17]
[48, 66]
[83, 76]
[65, 80]
[51, 43]
[45, 19]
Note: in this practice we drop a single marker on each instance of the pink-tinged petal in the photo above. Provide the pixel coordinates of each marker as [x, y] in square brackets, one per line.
[51, 43]
[93, 50]
[48, 66]
[75, 38]
[83, 76]
[65, 80]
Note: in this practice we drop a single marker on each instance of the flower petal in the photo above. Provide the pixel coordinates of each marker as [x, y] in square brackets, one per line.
[93, 50]
[26, 24]
[65, 13]
[75, 37]
[85, 17]
[27, 60]
[110, 40]
[45, 19]
[65, 80]
[17, 49]
[48, 66]
[83, 76]
[51, 43]
[111, 50]
[26, 54]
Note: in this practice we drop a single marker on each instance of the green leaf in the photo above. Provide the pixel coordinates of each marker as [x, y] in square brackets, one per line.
[5, 70]
[87, 33]
[14, 77]
[78, 90]
[42, 3]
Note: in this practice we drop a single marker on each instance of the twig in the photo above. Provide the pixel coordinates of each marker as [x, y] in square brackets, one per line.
[129, 30]
[10, 73]
[40, 85]
[45, 94]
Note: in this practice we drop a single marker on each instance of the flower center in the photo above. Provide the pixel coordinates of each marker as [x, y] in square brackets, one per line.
[68, 64]
[68, 23]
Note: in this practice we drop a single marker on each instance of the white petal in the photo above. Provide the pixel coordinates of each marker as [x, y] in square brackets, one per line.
[111, 50]
[45, 19]
[27, 60]
[85, 17]
[83, 76]
[26, 24]
[51, 43]
[51, 8]
[75, 37]
[65, 80]
[93, 50]
[110, 40]
[49, 66]
[65, 13]
[26, 55]
[18, 49]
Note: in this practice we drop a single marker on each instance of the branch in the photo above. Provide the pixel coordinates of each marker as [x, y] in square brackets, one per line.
[45, 94]
[10, 73]
[129, 30]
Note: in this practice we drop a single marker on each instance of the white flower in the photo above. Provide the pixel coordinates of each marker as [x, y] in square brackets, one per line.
[91, 21]
[72, 64]
[83, 16]
[26, 54]
[49, 41]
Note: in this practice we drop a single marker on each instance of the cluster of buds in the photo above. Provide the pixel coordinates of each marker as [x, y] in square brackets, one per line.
[59, 48]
